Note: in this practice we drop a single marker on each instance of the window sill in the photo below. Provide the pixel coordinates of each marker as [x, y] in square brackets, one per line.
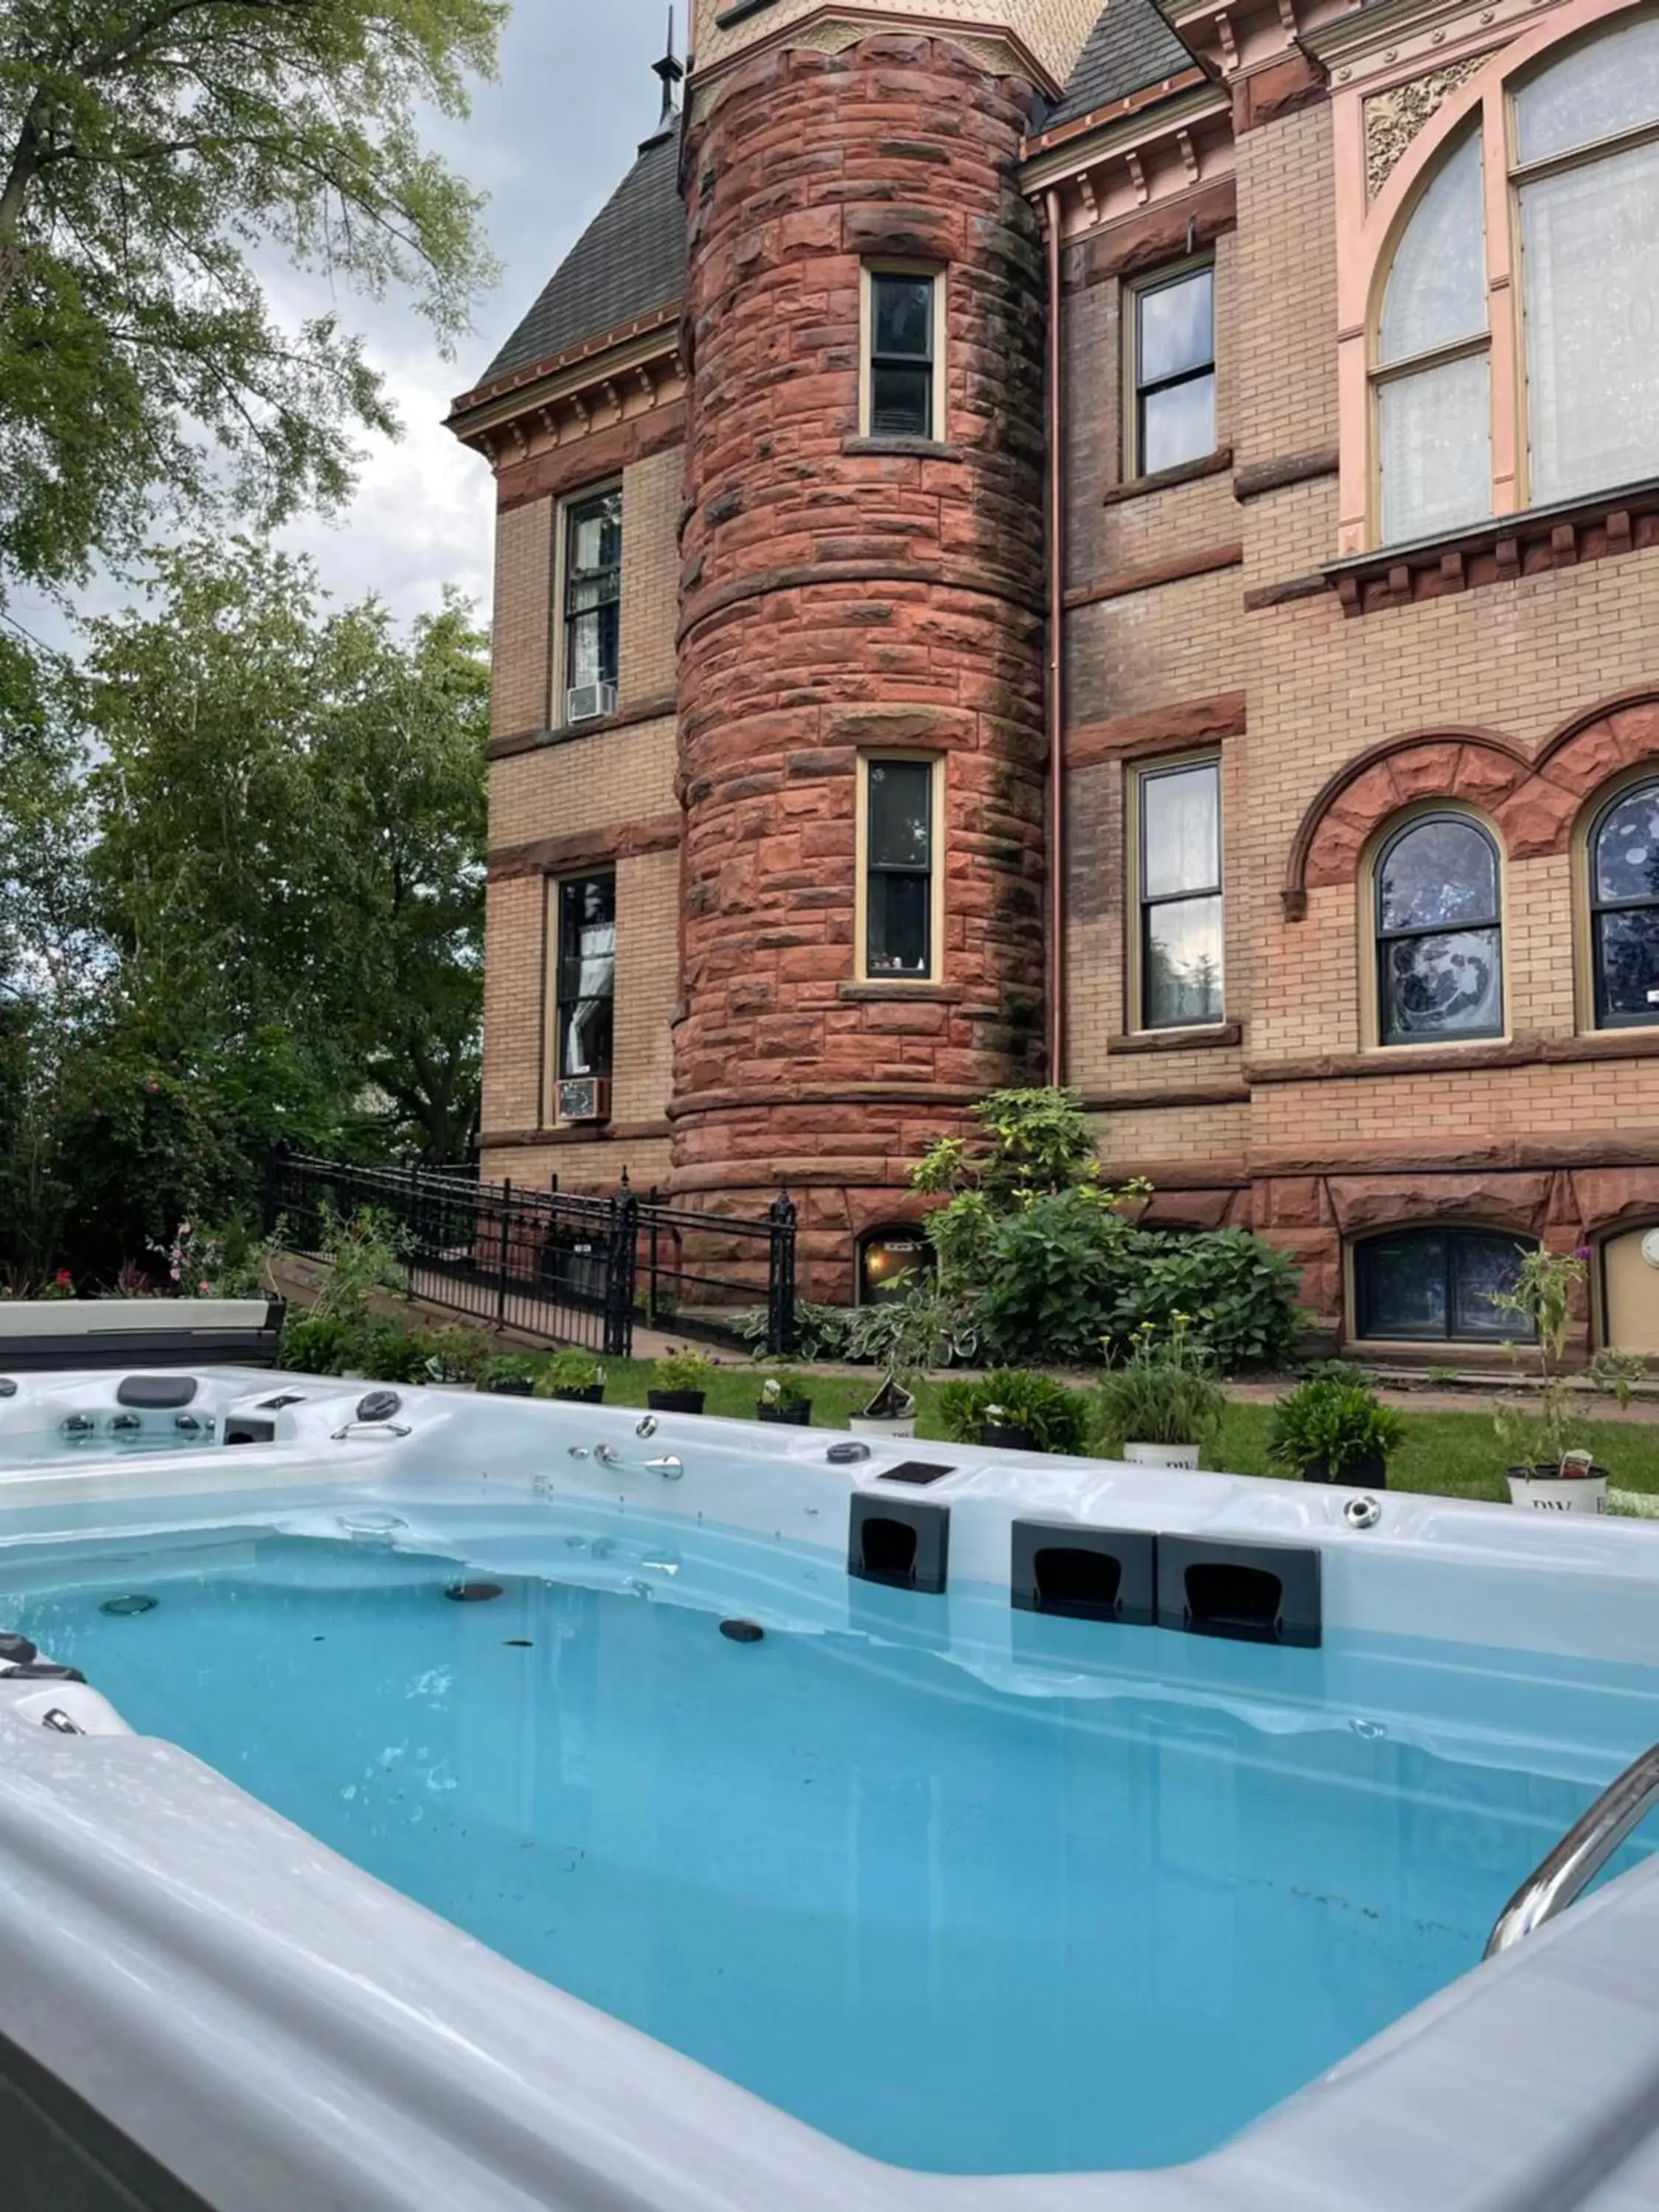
[895, 987]
[740, 12]
[1200, 1038]
[1500, 550]
[919, 449]
[1449, 1060]
[1207, 465]
[625, 718]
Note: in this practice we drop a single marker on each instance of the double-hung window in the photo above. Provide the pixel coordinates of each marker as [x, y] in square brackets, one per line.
[592, 604]
[1177, 831]
[902, 379]
[1173, 371]
[899, 864]
[585, 956]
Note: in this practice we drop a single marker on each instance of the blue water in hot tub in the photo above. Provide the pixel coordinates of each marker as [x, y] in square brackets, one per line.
[1099, 1911]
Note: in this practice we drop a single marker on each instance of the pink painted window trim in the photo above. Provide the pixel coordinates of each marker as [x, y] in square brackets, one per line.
[1366, 235]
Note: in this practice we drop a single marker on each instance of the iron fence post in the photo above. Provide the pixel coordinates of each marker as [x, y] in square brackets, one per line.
[276, 1163]
[619, 1275]
[780, 1278]
[501, 1275]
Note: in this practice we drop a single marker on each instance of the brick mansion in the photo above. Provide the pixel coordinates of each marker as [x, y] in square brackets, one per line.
[1119, 547]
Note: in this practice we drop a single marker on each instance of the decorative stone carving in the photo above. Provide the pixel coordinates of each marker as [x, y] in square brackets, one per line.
[1392, 119]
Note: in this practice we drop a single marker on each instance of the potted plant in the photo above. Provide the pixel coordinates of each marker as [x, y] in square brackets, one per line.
[680, 1383]
[453, 1356]
[509, 1374]
[905, 1336]
[1335, 1431]
[1161, 1406]
[1014, 1409]
[575, 1376]
[783, 1398]
[1536, 1427]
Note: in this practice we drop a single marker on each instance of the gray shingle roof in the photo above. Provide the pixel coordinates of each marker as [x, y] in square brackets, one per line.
[630, 260]
[1130, 47]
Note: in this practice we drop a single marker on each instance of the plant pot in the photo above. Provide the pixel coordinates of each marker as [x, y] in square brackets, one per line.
[1184, 1455]
[515, 1386]
[1008, 1436]
[591, 1393]
[883, 1424]
[675, 1402]
[1546, 1490]
[797, 1415]
[1362, 1474]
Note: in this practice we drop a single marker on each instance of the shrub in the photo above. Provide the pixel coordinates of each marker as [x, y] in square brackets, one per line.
[315, 1344]
[1333, 1423]
[386, 1352]
[1057, 1419]
[1049, 1278]
[453, 1353]
[1239, 1290]
[682, 1370]
[569, 1371]
[1164, 1393]
[509, 1367]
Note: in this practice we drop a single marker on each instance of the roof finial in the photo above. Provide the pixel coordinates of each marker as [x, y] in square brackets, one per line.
[670, 71]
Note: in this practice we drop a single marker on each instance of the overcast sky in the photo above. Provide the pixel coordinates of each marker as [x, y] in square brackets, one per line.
[548, 145]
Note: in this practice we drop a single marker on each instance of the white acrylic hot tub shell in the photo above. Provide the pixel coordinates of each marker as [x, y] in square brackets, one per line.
[285, 2034]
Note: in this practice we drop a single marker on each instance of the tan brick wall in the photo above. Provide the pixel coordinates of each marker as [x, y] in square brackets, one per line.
[514, 970]
[1153, 648]
[584, 1170]
[650, 577]
[522, 630]
[614, 777]
[1285, 297]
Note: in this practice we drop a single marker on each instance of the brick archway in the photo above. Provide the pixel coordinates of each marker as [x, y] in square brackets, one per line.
[1533, 798]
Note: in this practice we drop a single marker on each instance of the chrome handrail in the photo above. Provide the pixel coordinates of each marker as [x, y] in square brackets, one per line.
[1561, 1878]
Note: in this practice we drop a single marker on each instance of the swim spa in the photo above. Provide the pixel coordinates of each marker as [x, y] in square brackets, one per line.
[469, 1845]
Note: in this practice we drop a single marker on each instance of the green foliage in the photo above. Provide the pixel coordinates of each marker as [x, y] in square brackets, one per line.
[821, 1332]
[317, 1344]
[1044, 1256]
[453, 1353]
[922, 1327]
[364, 1254]
[259, 915]
[569, 1371]
[1332, 1424]
[783, 1388]
[1239, 1290]
[682, 1370]
[1056, 1419]
[507, 1367]
[1543, 1428]
[1164, 1392]
[155, 154]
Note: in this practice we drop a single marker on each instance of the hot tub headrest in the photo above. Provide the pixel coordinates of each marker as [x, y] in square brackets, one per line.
[155, 1390]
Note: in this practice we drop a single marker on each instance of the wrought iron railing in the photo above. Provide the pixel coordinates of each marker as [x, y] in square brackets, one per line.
[576, 1269]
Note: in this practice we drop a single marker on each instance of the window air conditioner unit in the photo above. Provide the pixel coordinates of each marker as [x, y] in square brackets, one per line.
[582, 702]
[584, 1098]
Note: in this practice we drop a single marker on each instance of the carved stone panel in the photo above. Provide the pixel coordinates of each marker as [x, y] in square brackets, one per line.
[1392, 119]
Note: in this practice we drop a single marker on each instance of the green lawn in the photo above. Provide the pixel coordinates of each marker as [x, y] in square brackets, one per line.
[1456, 1454]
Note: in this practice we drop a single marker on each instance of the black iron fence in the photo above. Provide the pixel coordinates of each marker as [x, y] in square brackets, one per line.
[578, 1270]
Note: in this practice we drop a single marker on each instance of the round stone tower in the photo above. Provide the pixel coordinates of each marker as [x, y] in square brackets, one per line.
[854, 592]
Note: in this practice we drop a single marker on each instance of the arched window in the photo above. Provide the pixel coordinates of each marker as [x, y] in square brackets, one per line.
[1623, 863]
[1434, 374]
[1578, 269]
[1439, 933]
[1587, 182]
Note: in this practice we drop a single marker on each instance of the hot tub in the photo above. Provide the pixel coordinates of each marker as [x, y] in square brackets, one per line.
[485, 1803]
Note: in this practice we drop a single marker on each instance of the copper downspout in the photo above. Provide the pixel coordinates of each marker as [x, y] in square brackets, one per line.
[1056, 667]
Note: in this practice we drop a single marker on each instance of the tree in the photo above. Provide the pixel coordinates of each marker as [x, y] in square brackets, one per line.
[150, 152]
[291, 812]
